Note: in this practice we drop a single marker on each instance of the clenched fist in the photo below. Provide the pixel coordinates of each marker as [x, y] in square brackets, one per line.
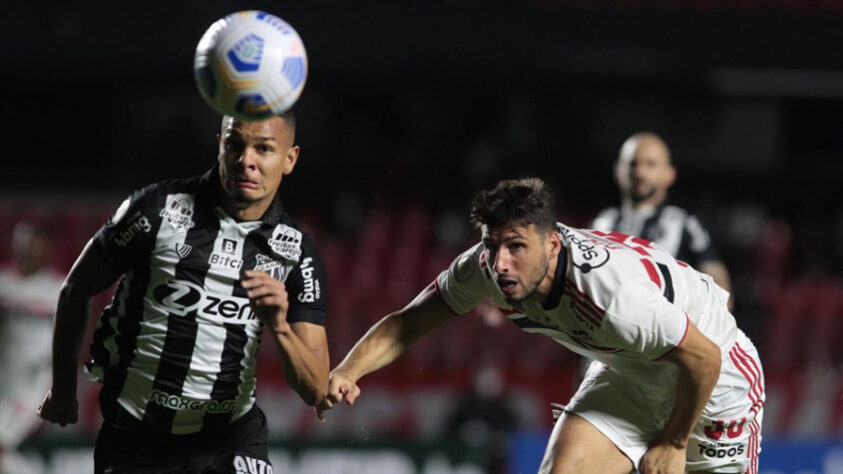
[268, 298]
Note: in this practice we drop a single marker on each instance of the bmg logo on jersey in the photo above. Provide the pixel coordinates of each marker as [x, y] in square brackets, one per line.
[311, 290]
[139, 224]
[181, 297]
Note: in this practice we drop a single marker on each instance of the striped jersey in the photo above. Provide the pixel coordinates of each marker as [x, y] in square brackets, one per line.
[680, 233]
[176, 347]
[618, 299]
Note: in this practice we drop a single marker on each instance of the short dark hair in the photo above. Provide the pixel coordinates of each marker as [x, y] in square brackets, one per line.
[290, 119]
[518, 202]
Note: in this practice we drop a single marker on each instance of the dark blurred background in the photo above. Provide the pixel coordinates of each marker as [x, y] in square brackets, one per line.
[412, 107]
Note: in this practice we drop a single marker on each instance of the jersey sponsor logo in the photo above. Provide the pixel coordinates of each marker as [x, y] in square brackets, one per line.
[225, 261]
[179, 214]
[177, 402]
[183, 250]
[311, 291]
[269, 265]
[139, 224]
[721, 450]
[229, 246]
[286, 242]
[181, 297]
[586, 254]
[249, 465]
[119, 213]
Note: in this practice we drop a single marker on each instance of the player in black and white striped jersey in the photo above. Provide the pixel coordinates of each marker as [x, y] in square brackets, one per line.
[206, 264]
[644, 173]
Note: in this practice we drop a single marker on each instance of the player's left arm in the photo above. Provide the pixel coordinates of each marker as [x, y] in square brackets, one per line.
[698, 360]
[303, 345]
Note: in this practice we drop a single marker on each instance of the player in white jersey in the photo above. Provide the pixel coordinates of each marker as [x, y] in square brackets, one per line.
[28, 294]
[675, 384]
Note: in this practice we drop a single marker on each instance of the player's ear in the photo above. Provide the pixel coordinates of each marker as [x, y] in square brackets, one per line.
[291, 158]
[554, 244]
[671, 176]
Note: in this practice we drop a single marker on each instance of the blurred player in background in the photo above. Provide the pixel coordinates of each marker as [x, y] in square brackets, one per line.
[675, 384]
[207, 263]
[644, 173]
[28, 294]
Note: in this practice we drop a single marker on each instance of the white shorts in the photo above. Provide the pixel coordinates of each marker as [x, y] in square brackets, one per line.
[727, 438]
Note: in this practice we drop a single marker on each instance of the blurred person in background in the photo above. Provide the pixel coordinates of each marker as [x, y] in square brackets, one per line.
[675, 384]
[29, 290]
[207, 263]
[484, 416]
[644, 173]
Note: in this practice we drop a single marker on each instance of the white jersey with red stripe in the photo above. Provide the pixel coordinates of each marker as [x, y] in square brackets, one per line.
[618, 299]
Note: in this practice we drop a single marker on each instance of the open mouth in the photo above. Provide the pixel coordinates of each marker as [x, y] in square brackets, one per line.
[506, 284]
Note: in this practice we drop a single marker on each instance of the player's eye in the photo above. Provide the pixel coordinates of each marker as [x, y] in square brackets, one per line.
[263, 149]
[232, 145]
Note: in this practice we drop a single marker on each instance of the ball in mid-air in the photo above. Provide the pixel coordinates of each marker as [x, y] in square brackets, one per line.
[250, 65]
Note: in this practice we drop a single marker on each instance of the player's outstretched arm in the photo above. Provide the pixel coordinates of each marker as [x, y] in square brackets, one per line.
[90, 275]
[384, 342]
[698, 361]
[303, 346]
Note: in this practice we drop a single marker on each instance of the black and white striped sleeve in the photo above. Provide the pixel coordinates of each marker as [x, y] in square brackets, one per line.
[129, 234]
[306, 287]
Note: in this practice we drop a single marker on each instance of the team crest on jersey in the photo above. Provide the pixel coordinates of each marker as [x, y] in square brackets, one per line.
[179, 213]
[286, 242]
[269, 265]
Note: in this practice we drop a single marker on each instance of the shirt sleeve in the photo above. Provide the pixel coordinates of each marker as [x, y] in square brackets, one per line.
[641, 321]
[306, 287]
[127, 235]
[466, 282]
[698, 242]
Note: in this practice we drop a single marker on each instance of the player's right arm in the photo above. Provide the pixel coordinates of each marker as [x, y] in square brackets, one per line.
[89, 276]
[455, 291]
[116, 247]
[385, 341]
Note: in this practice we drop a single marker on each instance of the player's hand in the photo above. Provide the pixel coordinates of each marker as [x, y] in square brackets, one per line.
[340, 388]
[268, 298]
[59, 409]
[663, 458]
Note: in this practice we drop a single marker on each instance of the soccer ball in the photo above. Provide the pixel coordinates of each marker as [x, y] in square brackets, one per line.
[250, 65]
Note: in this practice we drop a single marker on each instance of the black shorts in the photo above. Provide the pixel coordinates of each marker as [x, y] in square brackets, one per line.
[239, 448]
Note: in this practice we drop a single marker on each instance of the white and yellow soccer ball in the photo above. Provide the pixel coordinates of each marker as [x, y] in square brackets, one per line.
[250, 65]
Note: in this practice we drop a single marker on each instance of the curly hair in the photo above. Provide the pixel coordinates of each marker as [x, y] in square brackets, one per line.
[518, 202]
